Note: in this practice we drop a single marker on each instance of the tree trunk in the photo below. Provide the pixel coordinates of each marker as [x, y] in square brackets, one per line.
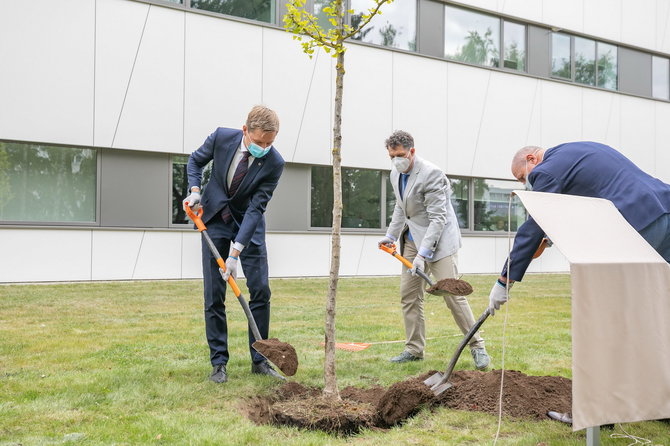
[330, 390]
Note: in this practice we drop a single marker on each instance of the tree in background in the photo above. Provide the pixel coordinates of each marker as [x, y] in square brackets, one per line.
[306, 28]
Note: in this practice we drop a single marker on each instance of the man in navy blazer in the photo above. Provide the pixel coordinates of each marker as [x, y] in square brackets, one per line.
[588, 169]
[245, 172]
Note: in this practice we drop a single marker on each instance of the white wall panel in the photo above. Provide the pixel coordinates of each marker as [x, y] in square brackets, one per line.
[526, 9]
[420, 105]
[223, 69]
[561, 114]
[283, 262]
[191, 258]
[42, 255]
[367, 106]
[505, 124]
[119, 27]
[602, 18]
[566, 14]
[637, 132]
[299, 90]
[46, 79]
[662, 138]
[467, 89]
[638, 23]
[478, 254]
[114, 254]
[600, 117]
[159, 256]
[152, 117]
[663, 26]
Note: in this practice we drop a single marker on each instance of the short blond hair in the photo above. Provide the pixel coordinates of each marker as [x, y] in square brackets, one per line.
[263, 118]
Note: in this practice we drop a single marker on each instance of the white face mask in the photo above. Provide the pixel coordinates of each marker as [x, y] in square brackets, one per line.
[401, 163]
[528, 185]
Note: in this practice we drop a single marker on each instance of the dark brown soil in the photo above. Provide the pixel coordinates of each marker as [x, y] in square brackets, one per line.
[528, 397]
[402, 400]
[279, 353]
[457, 287]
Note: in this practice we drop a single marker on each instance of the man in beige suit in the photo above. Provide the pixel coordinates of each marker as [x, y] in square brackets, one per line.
[425, 225]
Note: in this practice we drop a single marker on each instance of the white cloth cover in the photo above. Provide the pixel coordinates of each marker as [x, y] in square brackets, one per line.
[620, 310]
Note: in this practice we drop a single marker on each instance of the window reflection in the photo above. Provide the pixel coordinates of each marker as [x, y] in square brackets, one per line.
[262, 10]
[361, 197]
[471, 37]
[660, 72]
[585, 61]
[180, 186]
[607, 66]
[322, 18]
[560, 56]
[395, 27]
[491, 205]
[459, 199]
[47, 184]
[515, 46]
[390, 201]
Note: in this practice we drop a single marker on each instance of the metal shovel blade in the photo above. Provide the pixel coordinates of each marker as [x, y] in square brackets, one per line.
[438, 383]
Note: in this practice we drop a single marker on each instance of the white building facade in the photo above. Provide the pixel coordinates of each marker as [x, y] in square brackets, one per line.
[101, 101]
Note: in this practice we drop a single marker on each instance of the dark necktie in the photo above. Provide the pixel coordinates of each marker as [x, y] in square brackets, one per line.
[238, 176]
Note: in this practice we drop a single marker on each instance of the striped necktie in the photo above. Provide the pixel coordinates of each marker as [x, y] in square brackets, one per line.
[238, 176]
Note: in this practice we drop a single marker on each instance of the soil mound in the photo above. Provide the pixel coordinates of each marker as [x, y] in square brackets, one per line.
[524, 396]
[402, 400]
[457, 287]
[279, 353]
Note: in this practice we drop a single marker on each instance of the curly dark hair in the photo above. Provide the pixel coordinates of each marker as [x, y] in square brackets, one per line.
[400, 138]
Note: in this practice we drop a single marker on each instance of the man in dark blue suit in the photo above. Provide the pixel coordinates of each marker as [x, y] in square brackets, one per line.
[588, 169]
[245, 172]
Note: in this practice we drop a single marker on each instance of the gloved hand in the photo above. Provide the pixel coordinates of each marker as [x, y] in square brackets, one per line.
[418, 264]
[231, 268]
[385, 241]
[498, 296]
[193, 200]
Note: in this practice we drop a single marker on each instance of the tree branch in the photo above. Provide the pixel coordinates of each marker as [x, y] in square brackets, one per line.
[372, 14]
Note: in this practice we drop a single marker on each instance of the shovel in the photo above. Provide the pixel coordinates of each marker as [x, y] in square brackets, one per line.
[444, 287]
[439, 382]
[281, 354]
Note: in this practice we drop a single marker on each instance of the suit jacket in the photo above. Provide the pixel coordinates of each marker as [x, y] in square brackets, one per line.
[590, 169]
[248, 204]
[426, 211]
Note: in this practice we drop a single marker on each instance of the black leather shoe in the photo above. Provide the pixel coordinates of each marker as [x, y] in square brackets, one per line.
[219, 374]
[264, 368]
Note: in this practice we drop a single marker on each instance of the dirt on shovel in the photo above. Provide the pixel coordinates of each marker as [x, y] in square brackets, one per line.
[456, 287]
[279, 353]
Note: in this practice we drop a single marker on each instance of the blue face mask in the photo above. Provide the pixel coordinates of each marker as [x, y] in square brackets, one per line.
[256, 150]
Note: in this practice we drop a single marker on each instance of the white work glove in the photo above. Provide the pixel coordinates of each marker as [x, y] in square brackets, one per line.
[418, 264]
[231, 268]
[193, 200]
[498, 296]
[385, 241]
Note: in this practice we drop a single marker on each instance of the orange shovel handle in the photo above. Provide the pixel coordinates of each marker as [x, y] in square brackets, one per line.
[196, 218]
[391, 250]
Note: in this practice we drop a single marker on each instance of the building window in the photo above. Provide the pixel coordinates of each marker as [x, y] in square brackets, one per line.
[40, 183]
[180, 186]
[490, 204]
[514, 46]
[390, 201]
[460, 197]
[584, 61]
[660, 82]
[607, 66]
[471, 37]
[361, 197]
[561, 61]
[261, 10]
[395, 27]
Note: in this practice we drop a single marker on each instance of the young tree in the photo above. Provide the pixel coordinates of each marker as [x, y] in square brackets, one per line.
[305, 26]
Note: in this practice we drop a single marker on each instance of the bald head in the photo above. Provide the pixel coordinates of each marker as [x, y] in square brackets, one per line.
[525, 160]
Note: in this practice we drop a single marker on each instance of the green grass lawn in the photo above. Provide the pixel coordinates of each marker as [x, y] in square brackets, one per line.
[127, 362]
